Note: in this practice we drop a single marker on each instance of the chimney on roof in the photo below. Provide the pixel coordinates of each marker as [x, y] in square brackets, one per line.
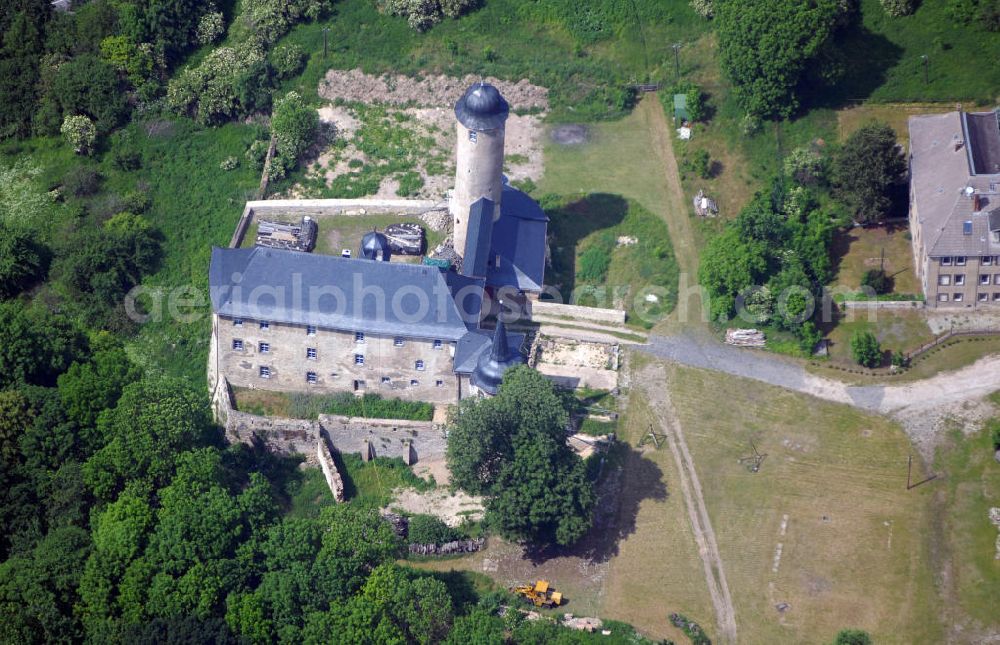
[958, 142]
[976, 203]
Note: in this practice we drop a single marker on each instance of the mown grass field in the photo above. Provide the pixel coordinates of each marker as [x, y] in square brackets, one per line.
[855, 552]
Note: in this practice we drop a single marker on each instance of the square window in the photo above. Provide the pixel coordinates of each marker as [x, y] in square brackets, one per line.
[996, 297]
[959, 279]
[397, 341]
[946, 262]
[360, 385]
[265, 325]
[414, 382]
[264, 348]
[987, 260]
[438, 383]
[438, 344]
[311, 378]
[958, 297]
[996, 278]
[238, 344]
[310, 330]
[984, 297]
[265, 371]
[960, 261]
[237, 322]
[419, 365]
[984, 278]
[359, 359]
[386, 380]
[967, 227]
[359, 337]
[311, 353]
[473, 135]
[944, 279]
[942, 297]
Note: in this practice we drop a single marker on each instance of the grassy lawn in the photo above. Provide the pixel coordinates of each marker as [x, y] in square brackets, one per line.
[582, 54]
[885, 56]
[309, 406]
[857, 250]
[896, 330]
[853, 552]
[971, 486]
[611, 253]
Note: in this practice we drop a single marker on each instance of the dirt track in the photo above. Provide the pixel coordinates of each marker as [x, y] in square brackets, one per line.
[654, 383]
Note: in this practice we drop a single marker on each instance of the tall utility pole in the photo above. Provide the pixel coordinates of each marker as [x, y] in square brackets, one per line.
[677, 59]
[926, 63]
[326, 32]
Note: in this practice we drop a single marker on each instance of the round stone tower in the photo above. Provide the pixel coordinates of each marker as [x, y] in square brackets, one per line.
[481, 114]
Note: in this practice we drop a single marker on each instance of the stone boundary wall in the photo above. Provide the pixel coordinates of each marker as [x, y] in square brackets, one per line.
[329, 468]
[592, 314]
[883, 304]
[412, 441]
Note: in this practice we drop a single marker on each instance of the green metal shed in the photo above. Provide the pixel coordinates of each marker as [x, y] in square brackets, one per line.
[680, 108]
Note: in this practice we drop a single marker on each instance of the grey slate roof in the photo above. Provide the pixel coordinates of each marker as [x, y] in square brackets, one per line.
[941, 170]
[519, 238]
[344, 294]
[482, 108]
[478, 242]
[474, 345]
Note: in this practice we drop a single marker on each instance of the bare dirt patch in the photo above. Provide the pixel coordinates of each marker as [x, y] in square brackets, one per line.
[427, 91]
[451, 508]
[570, 134]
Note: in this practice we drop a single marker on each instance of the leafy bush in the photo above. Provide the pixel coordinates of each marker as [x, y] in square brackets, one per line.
[853, 637]
[210, 27]
[878, 280]
[81, 181]
[424, 14]
[294, 125]
[703, 8]
[691, 629]
[80, 133]
[897, 8]
[230, 163]
[287, 60]
[428, 529]
[805, 167]
[865, 349]
[698, 162]
[256, 154]
[230, 82]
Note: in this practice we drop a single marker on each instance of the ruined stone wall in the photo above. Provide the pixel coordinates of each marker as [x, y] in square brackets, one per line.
[329, 468]
[592, 314]
[412, 441]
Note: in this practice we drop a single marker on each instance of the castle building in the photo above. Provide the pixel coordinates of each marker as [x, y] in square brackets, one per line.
[294, 321]
[955, 207]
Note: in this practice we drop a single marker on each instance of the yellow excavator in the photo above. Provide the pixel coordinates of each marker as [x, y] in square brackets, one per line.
[540, 594]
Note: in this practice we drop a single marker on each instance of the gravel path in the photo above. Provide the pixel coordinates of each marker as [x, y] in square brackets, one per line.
[922, 407]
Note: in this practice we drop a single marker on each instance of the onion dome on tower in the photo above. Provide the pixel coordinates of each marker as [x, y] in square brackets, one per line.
[482, 108]
[375, 246]
[493, 364]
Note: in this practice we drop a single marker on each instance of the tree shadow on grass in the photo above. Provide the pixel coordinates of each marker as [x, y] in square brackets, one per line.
[569, 223]
[629, 479]
[866, 58]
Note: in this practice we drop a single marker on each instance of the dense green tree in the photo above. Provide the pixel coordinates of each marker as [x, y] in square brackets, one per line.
[512, 448]
[480, 626]
[865, 349]
[729, 265]
[153, 421]
[867, 169]
[766, 47]
[86, 389]
[35, 345]
[90, 86]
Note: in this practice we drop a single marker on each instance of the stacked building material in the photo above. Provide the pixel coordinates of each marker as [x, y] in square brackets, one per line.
[405, 238]
[745, 337]
[293, 237]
